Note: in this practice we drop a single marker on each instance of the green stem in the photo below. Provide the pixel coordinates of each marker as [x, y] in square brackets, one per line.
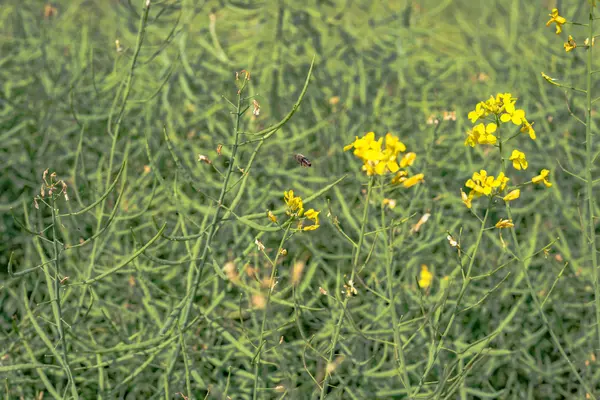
[389, 257]
[588, 169]
[211, 232]
[56, 306]
[264, 318]
[531, 290]
[539, 306]
[128, 83]
[463, 289]
[338, 326]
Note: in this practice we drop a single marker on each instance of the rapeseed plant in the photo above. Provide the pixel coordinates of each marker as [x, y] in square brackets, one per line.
[587, 173]
[490, 118]
[379, 159]
[499, 111]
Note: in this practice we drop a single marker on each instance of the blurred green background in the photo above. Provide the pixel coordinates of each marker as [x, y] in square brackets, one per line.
[383, 66]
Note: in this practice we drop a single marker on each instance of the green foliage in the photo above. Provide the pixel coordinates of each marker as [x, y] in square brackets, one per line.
[166, 287]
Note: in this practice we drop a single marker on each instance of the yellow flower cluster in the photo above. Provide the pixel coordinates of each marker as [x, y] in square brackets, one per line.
[295, 208]
[482, 184]
[380, 159]
[503, 109]
[499, 110]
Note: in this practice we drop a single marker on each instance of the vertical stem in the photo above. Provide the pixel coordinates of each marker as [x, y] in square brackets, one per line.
[398, 348]
[531, 290]
[56, 307]
[463, 289]
[128, 84]
[115, 136]
[338, 326]
[213, 226]
[539, 306]
[588, 172]
[264, 318]
[362, 227]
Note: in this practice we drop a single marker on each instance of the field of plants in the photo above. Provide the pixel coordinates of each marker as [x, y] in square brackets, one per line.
[277, 199]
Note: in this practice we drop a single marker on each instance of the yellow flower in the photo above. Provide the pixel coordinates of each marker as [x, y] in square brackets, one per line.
[480, 183]
[400, 177]
[375, 160]
[472, 138]
[504, 223]
[271, 216]
[369, 167]
[500, 181]
[478, 113]
[519, 160]
[296, 209]
[313, 215]
[295, 205]
[492, 105]
[506, 98]
[393, 144]
[513, 195]
[511, 114]
[425, 277]
[560, 21]
[466, 199]
[387, 163]
[408, 159]
[413, 180]
[570, 44]
[481, 134]
[542, 178]
[387, 159]
[528, 129]
[366, 148]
